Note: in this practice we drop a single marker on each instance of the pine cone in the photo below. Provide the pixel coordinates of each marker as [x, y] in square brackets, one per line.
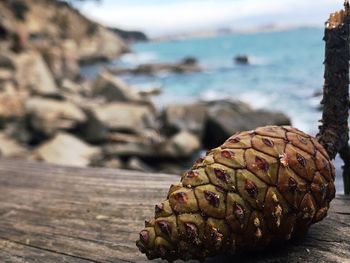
[259, 188]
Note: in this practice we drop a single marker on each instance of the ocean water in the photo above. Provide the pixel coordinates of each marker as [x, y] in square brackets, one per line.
[286, 70]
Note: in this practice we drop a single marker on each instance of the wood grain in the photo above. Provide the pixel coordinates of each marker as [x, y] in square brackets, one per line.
[62, 214]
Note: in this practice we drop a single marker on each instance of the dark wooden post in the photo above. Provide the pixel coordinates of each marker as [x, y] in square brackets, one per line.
[345, 155]
[334, 131]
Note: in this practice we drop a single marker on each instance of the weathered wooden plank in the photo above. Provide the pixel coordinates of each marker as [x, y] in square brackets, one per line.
[19, 253]
[61, 214]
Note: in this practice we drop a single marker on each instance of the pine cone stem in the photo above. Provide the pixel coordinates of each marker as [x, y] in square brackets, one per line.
[334, 130]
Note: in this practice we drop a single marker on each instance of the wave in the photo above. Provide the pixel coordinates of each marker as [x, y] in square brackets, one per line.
[257, 100]
[139, 58]
[258, 61]
[210, 95]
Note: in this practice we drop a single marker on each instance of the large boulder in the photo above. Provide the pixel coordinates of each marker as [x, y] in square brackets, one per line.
[33, 74]
[140, 149]
[114, 89]
[62, 60]
[228, 117]
[114, 163]
[182, 145]
[6, 75]
[7, 61]
[147, 144]
[18, 130]
[124, 117]
[94, 130]
[46, 116]
[10, 148]
[65, 149]
[102, 45]
[137, 164]
[70, 87]
[191, 117]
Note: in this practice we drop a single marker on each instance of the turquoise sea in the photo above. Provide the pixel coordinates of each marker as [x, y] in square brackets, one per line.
[286, 70]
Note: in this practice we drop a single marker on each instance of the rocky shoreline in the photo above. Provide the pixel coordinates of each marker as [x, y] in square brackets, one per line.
[49, 112]
[186, 65]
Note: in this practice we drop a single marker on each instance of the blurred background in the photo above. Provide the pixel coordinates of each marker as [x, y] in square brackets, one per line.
[151, 85]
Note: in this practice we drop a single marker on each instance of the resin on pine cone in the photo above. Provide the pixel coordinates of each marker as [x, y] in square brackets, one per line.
[258, 188]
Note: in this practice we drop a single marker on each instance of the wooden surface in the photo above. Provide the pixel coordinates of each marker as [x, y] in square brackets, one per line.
[59, 214]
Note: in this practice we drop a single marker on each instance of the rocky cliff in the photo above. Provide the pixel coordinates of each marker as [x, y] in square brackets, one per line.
[130, 36]
[55, 28]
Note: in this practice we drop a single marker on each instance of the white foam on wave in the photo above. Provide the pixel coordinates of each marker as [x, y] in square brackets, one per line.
[256, 99]
[258, 61]
[139, 58]
[268, 101]
[314, 101]
[303, 125]
[210, 95]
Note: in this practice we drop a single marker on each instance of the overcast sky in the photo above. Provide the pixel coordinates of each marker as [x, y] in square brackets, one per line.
[157, 17]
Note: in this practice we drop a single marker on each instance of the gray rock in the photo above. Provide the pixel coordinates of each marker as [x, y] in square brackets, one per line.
[53, 58]
[11, 105]
[10, 148]
[134, 145]
[241, 59]
[182, 145]
[190, 117]
[6, 75]
[185, 66]
[114, 163]
[70, 86]
[154, 91]
[18, 130]
[129, 149]
[114, 89]
[180, 67]
[33, 75]
[228, 117]
[47, 115]
[65, 149]
[63, 60]
[101, 46]
[190, 61]
[145, 136]
[6, 61]
[93, 130]
[137, 164]
[124, 117]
